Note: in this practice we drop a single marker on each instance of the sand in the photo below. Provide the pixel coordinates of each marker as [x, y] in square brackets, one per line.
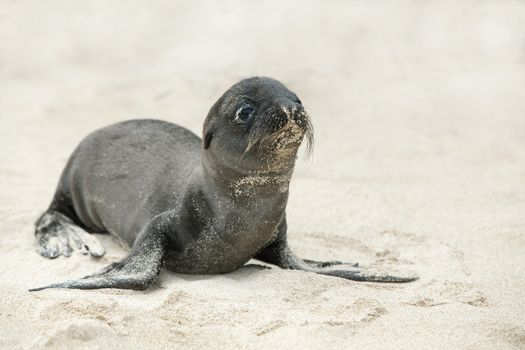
[419, 164]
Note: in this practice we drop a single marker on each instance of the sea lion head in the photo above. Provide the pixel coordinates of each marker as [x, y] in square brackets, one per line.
[256, 126]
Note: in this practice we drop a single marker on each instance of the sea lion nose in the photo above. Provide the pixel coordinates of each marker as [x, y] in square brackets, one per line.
[294, 112]
[284, 112]
[298, 115]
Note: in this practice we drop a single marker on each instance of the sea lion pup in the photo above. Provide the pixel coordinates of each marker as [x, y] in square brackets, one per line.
[197, 206]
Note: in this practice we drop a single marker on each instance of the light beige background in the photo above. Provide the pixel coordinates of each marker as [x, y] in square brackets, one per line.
[419, 164]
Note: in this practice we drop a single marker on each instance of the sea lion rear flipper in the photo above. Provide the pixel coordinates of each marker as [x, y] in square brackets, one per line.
[137, 271]
[57, 234]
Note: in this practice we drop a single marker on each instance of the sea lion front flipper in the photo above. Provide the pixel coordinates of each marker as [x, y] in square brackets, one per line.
[369, 276]
[317, 263]
[137, 271]
[280, 254]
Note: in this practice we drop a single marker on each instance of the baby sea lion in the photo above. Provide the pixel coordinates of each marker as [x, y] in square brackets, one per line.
[195, 206]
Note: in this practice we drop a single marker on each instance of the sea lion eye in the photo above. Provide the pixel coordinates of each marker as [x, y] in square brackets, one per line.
[244, 113]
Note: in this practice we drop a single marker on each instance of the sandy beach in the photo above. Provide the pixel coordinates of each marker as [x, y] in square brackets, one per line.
[418, 165]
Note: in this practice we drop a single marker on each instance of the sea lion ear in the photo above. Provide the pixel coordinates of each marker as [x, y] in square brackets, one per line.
[207, 139]
[210, 123]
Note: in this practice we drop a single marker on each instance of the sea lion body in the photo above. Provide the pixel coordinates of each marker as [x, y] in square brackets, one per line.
[193, 205]
[123, 176]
